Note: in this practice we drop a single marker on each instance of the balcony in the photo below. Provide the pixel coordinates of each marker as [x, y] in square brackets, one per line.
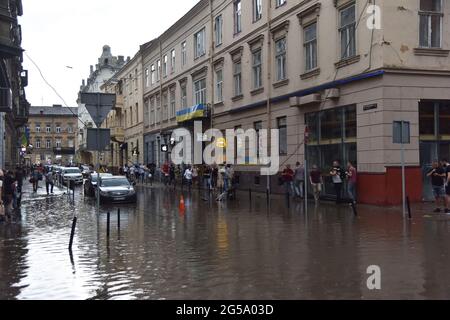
[64, 151]
[118, 106]
[117, 134]
[22, 113]
[5, 100]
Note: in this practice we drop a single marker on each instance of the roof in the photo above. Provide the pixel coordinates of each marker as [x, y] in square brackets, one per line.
[53, 111]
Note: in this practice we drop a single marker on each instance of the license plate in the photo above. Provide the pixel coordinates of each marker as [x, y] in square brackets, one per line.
[119, 199]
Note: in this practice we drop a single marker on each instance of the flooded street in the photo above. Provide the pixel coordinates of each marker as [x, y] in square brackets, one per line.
[233, 250]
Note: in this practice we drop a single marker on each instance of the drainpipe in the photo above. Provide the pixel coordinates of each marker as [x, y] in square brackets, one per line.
[269, 83]
[211, 60]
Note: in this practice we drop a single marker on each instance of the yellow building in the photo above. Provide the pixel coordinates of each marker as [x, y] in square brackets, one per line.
[53, 133]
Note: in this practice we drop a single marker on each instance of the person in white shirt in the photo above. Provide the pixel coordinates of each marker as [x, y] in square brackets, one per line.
[188, 177]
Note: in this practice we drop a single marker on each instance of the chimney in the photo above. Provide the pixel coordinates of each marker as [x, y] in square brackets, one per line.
[92, 69]
[83, 83]
[121, 59]
[128, 59]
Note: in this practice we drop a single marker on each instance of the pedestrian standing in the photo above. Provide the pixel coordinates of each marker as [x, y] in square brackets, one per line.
[299, 180]
[195, 179]
[288, 179]
[352, 178]
[437, 175]
[337, 177]
[315, 178]
[49, 182]
[9, 187]
[35, 179]
[214, 176]
[207, 177]
[447, 187]
[188, 177]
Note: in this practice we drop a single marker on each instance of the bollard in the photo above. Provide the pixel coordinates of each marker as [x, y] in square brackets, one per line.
[354, 208]
[118, 218]
[409, 207]
[72, 233]
[108, 221]
[250, 194]
[288, 199]
[267, 196]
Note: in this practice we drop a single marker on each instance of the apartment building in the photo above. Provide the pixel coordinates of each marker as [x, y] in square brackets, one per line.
[126, 119]
[53, 134]
[341, 70]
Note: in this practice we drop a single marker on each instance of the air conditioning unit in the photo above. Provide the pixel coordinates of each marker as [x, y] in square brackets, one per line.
[310, 99]
[333, 93]
[5, 100]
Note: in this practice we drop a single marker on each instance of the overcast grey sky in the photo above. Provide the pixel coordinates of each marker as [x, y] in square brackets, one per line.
[60, 33]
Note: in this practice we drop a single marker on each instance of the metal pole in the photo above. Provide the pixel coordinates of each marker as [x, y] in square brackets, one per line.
[72, 233]
[118, 218]
[305, 189]
[403, 180]
[98, 156]
[108, 222]
[409, 208]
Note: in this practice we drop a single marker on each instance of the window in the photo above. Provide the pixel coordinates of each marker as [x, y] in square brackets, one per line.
[38, 128]
[310, 45]
[146, 112]
[137, 113]
[38, 144]
[158, 108]
[257, 10]
[131, 116]
[280, 57]
[430, 23]
[172, 61]
[165, 106]
[165, 62]
[199, 41]
[153, 74]
[70, 129]
[48, 144]
[152, 110]
[48, 129]
[172, 103]
[58, 128]
[183, 53]
[135, 79]
[158, 70]
[257, 126]
[183, 96]
[347, 32]
[257, 69]
[200, 91]
[237, 76]
[279, 2]
[58, 143]
[219, 85]
[282, 128]
[70, 143]
[146, 78]
[237, 16]
[218, 24]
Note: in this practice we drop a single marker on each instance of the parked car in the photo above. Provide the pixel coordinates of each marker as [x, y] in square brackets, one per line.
[90, 185]
[71, 174]
[85, 171]
[116, 189]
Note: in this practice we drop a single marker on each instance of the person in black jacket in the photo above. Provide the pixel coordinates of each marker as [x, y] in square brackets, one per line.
[337, 177]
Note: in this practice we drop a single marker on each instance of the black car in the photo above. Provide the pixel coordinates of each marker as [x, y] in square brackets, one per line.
[90, 185]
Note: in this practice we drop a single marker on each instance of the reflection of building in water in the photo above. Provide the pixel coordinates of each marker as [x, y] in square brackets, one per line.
[12, 260]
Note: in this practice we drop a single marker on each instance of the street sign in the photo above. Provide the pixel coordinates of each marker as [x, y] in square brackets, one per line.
[98, 105]
[98, 139]
[401, 132]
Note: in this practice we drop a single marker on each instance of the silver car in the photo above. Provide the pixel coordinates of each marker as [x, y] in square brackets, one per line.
[116, 189]
[72, 174]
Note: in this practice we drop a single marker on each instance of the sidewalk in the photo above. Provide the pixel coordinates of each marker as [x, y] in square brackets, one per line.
[28, 194]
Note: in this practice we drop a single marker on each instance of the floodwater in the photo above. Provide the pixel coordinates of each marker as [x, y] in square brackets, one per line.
[233, 250]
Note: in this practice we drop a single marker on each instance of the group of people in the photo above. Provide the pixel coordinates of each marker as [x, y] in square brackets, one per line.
[440, 182]
[215, 178]
[11, 183]
[42, 173]
[294, 180]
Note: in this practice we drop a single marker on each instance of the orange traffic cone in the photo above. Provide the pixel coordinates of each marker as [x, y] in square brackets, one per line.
[182, 207]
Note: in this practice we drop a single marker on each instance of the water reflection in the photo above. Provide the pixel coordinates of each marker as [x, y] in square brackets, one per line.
[219, 251]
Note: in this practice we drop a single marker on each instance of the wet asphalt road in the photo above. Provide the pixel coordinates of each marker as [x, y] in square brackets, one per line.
[229, 250]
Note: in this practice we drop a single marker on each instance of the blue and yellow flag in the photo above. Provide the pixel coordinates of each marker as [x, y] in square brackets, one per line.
[194, 112]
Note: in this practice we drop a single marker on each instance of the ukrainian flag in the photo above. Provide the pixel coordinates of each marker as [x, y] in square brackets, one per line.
[194, 112]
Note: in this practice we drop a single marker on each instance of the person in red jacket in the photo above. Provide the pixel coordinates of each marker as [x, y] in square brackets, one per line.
[288, 178]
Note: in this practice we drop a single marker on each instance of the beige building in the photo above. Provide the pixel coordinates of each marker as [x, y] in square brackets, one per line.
[126, 118]
[53, 134]
[341, 68]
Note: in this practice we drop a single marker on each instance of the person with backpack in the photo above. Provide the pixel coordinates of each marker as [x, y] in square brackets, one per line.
[338, 180]
[437, 175]
[49, 182]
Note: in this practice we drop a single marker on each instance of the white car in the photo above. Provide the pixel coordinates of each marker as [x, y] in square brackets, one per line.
[72, 174]
[116, 189]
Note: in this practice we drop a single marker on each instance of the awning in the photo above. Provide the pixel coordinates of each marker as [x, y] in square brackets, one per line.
[194, 112]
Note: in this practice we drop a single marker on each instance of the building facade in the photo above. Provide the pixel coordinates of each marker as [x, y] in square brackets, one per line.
[104, 70]
[339, 70]
[53, 133]
[126, 119]
[13, 80]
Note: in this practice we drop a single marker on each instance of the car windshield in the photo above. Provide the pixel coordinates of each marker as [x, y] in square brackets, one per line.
[115, 183]
[94, 176]
[69, 171]
[85, 168]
